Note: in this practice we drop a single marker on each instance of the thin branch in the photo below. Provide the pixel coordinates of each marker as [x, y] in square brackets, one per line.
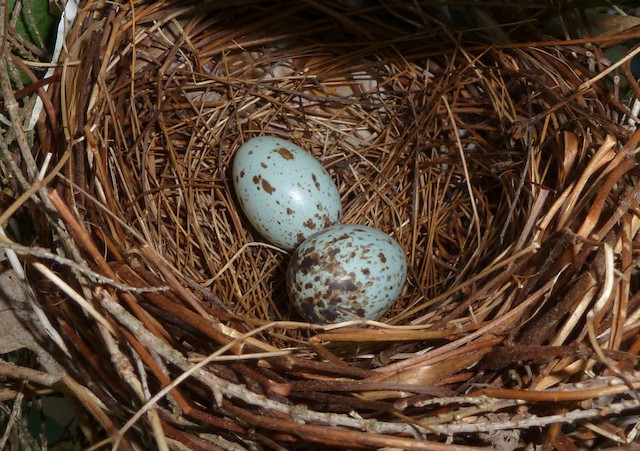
[43, 253]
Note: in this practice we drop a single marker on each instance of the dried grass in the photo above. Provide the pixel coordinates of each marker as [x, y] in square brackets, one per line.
[503, 171]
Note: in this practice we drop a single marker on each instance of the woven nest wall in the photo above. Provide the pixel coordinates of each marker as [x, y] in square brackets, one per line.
[504, 171]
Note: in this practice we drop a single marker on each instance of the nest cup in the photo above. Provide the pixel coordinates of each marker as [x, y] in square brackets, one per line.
[503, 171]
[394, 134]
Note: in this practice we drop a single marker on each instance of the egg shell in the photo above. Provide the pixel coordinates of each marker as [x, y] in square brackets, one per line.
[284, 191]
[346, 272]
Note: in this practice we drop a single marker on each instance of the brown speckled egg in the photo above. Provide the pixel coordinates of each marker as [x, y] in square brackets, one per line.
[284, 191]
[346, 272]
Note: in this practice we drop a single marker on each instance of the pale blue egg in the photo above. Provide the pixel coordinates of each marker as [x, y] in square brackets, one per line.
[346, 272]
[284, 191]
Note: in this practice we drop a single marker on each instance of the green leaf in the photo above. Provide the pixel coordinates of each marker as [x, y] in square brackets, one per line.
[36, 24]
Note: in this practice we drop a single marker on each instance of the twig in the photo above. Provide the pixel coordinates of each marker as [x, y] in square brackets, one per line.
[35, 187]
[86, 305]
[12, 106]
[542, 421]
[87, 399]
[628, 57]
[40, 252]
[29, 293]
[222, 387]
[189, 369]
[493, 327]
[231, 390]
[20, 372]
[16, 412]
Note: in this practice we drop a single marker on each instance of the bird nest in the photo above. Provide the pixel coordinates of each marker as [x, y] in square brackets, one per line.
[503, 170]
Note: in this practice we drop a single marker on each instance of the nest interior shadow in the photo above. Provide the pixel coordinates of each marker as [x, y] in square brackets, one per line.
[504, 171]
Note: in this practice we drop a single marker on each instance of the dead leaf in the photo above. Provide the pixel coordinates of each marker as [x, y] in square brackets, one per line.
[19, 327]
[610, 24]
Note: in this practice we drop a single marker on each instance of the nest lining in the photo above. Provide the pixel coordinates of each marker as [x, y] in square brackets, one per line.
[387, 136]
[502, 174]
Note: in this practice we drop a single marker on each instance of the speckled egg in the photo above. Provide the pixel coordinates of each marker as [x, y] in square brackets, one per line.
[346, 272]
[284, 191]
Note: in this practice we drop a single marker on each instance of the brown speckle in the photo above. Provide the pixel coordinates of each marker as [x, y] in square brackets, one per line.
[242, 173]
[306, 264]
[333, 252]
[383, 258]
[366, 271]
[289, 211]
[309, 224]
[284, 153]
[343, 285]
[267, 187]
[263, 165]
[256, 179]
[315, 181]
